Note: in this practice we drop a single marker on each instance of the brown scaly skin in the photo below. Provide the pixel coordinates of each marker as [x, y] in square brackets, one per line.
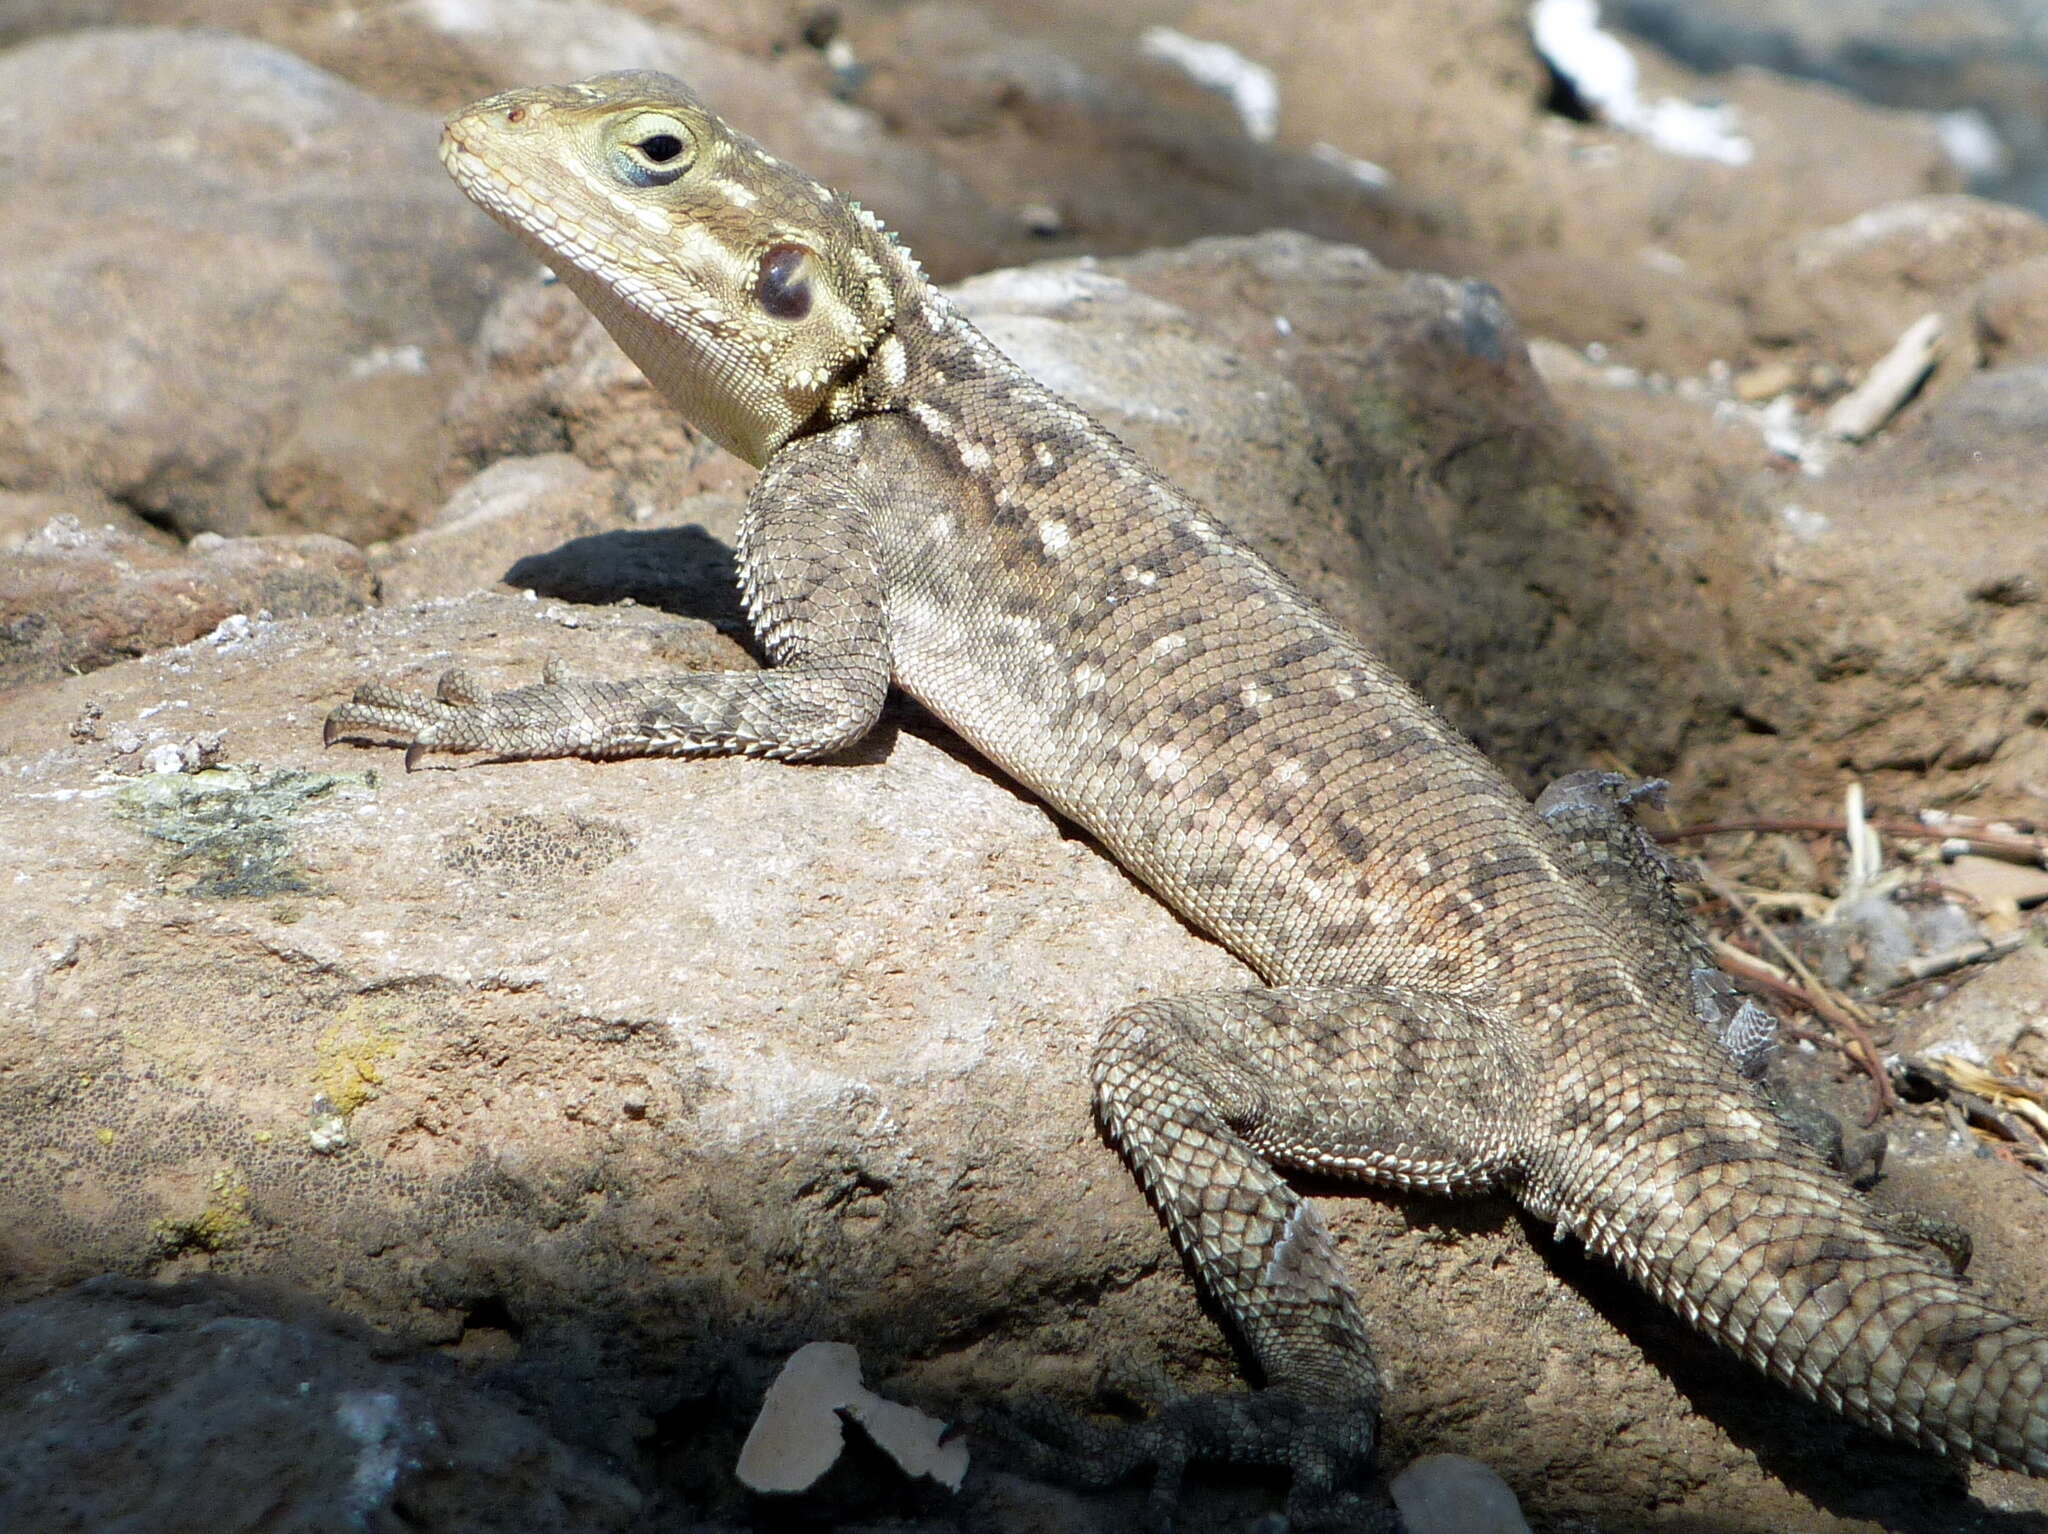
[1457, 999]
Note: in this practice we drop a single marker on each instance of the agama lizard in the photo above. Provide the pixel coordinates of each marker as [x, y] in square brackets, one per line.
[1457, 997]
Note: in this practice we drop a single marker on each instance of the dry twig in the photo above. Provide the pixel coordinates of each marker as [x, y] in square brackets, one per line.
[2017, 846]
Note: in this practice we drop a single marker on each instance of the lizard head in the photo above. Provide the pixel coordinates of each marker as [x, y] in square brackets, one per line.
[751, 296]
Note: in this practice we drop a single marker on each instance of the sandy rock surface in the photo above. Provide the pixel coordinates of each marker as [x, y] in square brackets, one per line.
[556, 1104]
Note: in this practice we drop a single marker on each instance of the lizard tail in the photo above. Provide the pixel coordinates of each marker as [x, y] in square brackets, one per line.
[1780, 1261]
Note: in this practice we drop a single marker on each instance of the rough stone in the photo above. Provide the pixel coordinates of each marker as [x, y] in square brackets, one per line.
[297, 385]
[74, 597]
[210, 1408]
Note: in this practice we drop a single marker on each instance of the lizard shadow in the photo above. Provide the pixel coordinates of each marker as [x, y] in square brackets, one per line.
[685, 571]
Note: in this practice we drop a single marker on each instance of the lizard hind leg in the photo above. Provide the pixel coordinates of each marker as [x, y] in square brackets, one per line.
[1206, 1096]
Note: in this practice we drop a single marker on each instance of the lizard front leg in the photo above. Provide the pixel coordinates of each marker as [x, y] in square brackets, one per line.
[1206, 1096]
[811, 566]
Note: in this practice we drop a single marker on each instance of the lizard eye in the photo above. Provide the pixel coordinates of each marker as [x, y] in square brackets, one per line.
[653, 149]
[783, 285]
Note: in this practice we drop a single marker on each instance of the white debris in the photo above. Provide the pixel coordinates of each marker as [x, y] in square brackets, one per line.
[388, 359]
[1604, 73]
[1364, 172]
[375, 1420]
[235, 629]
[1806, 525]
[798, 1435]
[1972, 145]
[1785, 433]
[1221, 68]
[167, 758]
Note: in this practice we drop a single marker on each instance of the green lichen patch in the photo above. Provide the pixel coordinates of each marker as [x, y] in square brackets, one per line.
[231, 826]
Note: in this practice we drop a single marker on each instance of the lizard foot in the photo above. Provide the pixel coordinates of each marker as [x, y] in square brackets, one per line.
[553, 718]
[1323, 1447]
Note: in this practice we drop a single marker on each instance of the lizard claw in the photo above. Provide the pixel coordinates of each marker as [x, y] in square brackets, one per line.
[1324, 1447]
[424, 724]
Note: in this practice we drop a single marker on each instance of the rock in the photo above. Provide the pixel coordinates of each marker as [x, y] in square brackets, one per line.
[1848, 291]
[73, 598]
[1658, 311]
[997, 98]
[297, 387]
[1664, 241]
[620, 1082]
[1450, 1494]
[657, 1069]
[2012, 312]
[1898, 615]
[651, 1071]
[209, 1408]
[516, 504]
[2001, 1013]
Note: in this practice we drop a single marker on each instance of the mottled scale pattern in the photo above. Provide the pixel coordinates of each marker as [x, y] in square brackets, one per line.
[1458, 993]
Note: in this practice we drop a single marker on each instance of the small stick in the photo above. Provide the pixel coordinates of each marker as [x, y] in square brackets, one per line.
[2013, 845]
[1859, 413]
[1982, 949]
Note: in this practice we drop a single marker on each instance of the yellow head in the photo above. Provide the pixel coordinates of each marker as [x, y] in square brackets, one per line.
[751, 296]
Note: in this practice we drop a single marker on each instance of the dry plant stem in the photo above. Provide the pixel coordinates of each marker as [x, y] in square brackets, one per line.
[1826, 1003]
[1955, 958]
[2014, 845]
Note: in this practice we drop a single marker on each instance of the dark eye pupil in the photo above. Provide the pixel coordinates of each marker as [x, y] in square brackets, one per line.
[783, 289]
[660, 147]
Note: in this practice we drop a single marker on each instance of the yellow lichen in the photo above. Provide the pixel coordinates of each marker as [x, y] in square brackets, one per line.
[350, 1060]
[225, 1217]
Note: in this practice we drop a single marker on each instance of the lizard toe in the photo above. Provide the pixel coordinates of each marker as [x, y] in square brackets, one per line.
[459, 688]
[1327, 1450]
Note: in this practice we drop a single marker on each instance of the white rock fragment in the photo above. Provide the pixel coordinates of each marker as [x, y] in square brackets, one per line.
[1604, 73]
[234, 629]
[1972, 144]
[798, 1435]
[1860, 412]
[1364, 172]
[1805, 525]
[1450, 1494]
[1219, 67]
[389, 359]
